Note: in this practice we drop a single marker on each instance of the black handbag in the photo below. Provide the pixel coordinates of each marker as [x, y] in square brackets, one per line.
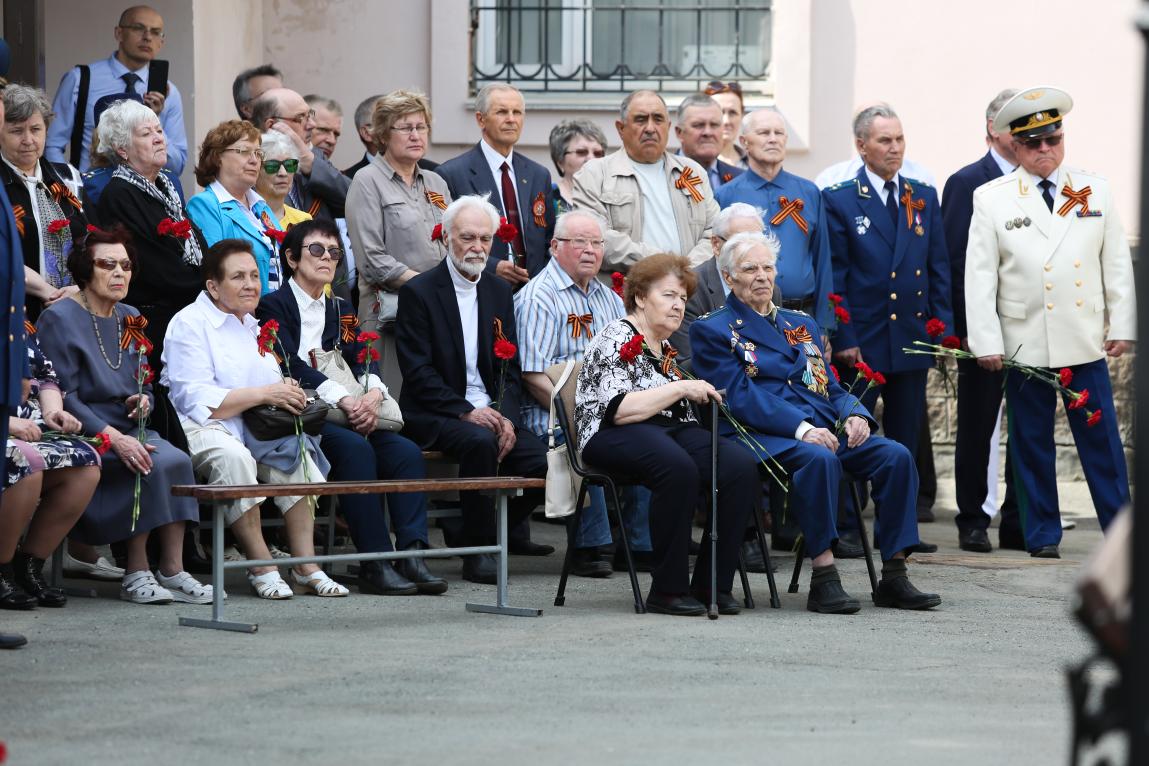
[266, 422]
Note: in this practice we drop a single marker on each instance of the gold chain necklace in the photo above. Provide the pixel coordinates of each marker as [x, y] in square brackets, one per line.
[100, 341]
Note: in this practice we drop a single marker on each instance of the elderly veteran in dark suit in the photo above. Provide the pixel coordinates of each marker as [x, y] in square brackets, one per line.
[467, 401]
[778, 385]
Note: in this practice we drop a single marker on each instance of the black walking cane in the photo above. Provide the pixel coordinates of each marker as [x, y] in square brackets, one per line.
[712, 611]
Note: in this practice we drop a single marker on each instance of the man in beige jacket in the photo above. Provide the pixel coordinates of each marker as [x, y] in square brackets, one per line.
[653, 201]
[1049, 282]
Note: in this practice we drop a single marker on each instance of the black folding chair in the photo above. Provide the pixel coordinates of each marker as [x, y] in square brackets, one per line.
[856, 495]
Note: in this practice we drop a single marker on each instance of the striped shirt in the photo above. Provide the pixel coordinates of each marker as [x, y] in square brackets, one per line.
[546, 333]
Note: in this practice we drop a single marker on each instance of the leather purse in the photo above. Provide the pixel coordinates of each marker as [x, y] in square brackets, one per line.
[334, 367]
[266, 422]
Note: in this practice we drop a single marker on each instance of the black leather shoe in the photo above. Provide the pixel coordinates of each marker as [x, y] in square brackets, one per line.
[481, 568]
[831, 598]
[926, 514]
[11, 596]
[381, 579]
[752, 556]
[588, 562]
[1010, 541]
[643, 560]
[975, 540]
[900, 593]
[849, 545]
[415, 570]
[922, 547]
[1046, 552]
[676, 605]
[727, 604]
[11, 640]
[29, 573]
[528, 548]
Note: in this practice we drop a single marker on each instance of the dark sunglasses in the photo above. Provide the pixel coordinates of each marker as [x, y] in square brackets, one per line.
[1035, 143]
[110, 264]
[584, 152]
[271, 167]
[335, 253]
[717, 86]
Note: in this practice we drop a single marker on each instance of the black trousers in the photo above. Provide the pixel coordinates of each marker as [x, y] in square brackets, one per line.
[674, 463]
[477, 449]
[978, 410]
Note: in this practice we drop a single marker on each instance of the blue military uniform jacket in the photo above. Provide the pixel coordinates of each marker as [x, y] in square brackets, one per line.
[893, 277]
[13, 357]
[804, 266]
[775, 376]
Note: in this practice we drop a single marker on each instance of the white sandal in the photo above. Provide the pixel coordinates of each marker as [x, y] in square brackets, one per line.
[142, 588]
[186, 589]
[270, 585]
[320, 584]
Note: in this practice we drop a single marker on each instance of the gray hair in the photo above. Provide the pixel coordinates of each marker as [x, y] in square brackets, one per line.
[695, 100]
[624, 109]
[23, 101]
[469, 202]
[744, 126]
[725, 217]
[567, 131]
[117, 124]
[483, 99]
[365, 109]
[275, 143]
[563, 220]
[740, 244]
[998, 102]
[865, 119]
[315, 101]
[241, 86]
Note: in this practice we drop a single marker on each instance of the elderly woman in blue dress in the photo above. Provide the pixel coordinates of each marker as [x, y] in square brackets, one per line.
[92, 339]
[214, 368]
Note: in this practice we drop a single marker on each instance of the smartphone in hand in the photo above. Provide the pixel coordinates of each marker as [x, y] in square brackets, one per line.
[158, 76]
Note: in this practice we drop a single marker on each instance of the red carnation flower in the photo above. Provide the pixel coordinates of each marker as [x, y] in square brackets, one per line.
[1065, 376]
[1094, 418]
[506, 231]
[367, 337]
[367, 353]
[618, 283]
[834, 370]
[437, 232]
[935, 327]
[147, 375]
[144, 347]
[55, 227]
[504, 349]
[276, 235]
[951, 341]
[103, 443]
[842, 315]
[835, 299]
[268, 333]
[92, 228]
[1080, 400]
[631, 350]
[865, 370]
[878, 378]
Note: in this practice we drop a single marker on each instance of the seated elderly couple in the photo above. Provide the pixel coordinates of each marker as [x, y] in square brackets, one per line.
[636, 412]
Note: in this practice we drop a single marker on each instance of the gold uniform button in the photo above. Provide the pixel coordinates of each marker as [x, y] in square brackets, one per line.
[1048, 267]
[1077, 282]
[893, 317]
[893, 296]
[1077, 264]
[1048, 285]
[919, 315]
[1079, 301]
[919, 292]
[1049, 306]
[893, 275]
[917, 272]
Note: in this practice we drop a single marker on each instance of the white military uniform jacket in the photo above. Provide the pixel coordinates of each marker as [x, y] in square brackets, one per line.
[609, 187]
[1041, 287]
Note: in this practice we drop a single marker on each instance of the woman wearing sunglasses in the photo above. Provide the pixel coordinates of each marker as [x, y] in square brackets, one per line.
[276, 176]
[573, 143]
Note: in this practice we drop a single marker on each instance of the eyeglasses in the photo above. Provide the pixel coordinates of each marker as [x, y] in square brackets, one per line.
[1035, 143]
[300, 118]
[271, 167]
[470, 239]
[409, 129]
[141, 30]
[334, 252]
[583, 152]
[581, 243]
[246, 152]
[717, 86]
[110, 264]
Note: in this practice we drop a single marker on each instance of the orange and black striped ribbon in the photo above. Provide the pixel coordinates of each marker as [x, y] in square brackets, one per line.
[29, 328]
[19, 214]
[348, 323]
[134, 332]
[436, 199]
[580, 324]
[912, 206]
[791, 209]
[689, 182]
[62, 193]
[1076, 198]
[499, 329]
[668, 366]
[314, 209]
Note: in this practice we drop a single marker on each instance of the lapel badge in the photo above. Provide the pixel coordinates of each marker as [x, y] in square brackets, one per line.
[1009, 225]
[1026, 221]
[752, 370]
[862, 222]
[865, 190]
[738, 321]
[748, 346]
[919, 230]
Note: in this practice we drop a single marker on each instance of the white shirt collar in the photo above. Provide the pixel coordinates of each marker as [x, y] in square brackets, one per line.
[223, 195]
[304, 300]
[458, 280]
[1005, 165]
[217, 317]
[1054, 176]
[496, 160]
[879, 183]
[36, 177]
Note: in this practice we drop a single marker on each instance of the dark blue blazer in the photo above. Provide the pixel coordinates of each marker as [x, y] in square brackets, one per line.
[13, 356]
[769, 394]
[893, 278]
[429, 344]
[469, 173]
[957, 210]
[281, 306]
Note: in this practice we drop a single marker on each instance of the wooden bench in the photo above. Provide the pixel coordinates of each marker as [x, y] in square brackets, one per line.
[501, 487]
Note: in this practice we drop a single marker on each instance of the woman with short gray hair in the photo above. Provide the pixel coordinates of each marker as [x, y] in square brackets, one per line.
[573, 143]
[276, 177]
[43, 195]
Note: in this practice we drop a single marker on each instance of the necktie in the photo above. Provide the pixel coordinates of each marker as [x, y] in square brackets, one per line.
[511, 206]
[55, 268]
[892, 201]
[1047, 193]
[130, 79]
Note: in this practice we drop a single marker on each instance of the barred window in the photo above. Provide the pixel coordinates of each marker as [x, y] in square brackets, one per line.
[587, 46]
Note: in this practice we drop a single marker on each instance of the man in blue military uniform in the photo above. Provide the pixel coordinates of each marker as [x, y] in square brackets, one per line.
[792, 210]
[770, 362]
[890, 269]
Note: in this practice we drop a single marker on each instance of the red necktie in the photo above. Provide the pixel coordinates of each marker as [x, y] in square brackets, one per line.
[511, 206]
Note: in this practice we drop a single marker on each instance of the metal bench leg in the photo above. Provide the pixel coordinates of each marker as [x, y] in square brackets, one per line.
[500, 606]
[801, 554]
[217, 622]
[572, 531]
[639, 604]
[857, 497]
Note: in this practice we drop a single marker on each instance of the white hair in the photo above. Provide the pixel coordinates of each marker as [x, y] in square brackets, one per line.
[275, 143]
[726, 216]
[469, 202]
[740, 244]
[590, 215]
[117, 124]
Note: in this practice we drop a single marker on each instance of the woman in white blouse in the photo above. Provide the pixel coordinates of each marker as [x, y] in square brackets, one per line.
[215, 372]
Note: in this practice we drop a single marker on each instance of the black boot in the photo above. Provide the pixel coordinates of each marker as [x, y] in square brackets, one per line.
[380, 578]
[29, 572]
[11, 596]
[416, 571]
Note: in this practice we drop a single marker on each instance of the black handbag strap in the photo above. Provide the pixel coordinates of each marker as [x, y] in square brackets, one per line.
[80, 115]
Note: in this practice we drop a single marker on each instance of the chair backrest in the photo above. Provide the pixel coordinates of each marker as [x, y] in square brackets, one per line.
[564, 411]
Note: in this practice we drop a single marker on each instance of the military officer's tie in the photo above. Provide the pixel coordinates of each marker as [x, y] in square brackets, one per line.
[1047, 193]
[892, 202]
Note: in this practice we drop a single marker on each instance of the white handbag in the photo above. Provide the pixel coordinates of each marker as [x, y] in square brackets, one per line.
[334, 367]
[563, 484]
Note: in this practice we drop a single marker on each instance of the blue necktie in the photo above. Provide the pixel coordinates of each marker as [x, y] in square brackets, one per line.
[892, 201]
[130, 79]
[1047, 193]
